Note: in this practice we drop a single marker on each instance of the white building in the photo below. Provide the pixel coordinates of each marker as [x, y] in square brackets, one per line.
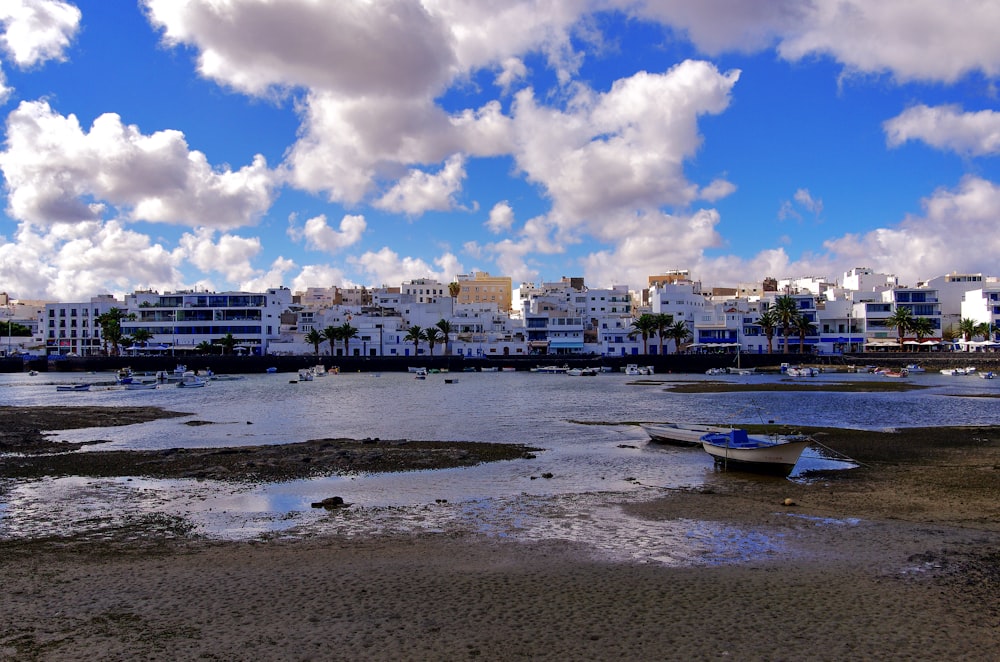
[71, 329]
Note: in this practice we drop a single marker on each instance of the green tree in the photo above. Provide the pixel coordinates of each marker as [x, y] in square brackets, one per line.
[332, 334]
[643, 326]
[111, 329]
[662, 322]
[785, 311]
[433, 336]
[315, 338]
[679, 333]
[446, 330]
[415, 334]
[204, 347]
[901, 320]
[768, 323]
[921, 328]
[347, 332]
[967, 327]
[804, 328]
[141, 336]
[228, 343]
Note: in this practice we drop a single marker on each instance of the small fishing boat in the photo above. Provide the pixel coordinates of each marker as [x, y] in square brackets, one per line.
[140, 386]
[682, 434]
[72, 387]
[582, 372]
[735, 449]
[989, 374]
[191, 381]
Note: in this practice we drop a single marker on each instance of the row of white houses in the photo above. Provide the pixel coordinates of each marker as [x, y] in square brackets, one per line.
[559, 318]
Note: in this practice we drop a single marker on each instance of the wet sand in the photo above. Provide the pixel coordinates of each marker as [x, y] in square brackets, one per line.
[898, 559]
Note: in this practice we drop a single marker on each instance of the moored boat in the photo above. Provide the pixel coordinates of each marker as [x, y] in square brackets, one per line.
[735, 449]
[685, 434]
[140, 386]
[582, 372]
[73, 387]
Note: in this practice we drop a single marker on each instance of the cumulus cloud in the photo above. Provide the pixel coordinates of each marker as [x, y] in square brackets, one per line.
[319, 275]
[420, 191]
[621, 149]
[501, 218]
[57, 172]
[229, 256]
[318, 234]
[947, 128]
[74, 261]
[385, 266]
[34, 31]
[908, 39]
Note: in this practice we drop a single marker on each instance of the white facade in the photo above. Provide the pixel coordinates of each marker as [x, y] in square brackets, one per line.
[71, 329]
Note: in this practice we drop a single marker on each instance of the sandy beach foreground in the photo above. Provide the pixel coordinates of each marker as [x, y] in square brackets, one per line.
[899, 559]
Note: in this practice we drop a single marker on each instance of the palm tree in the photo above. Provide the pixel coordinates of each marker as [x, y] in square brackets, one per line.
[662, 322]
[921, 328]
[678, 332]
[204, 347]
[446, 329]
[805, 328]
[141, 336]
[432, 335]
[227, 342]
[111, 328]
[415, 334]
[901, 320]
[642, 326]
[315, 338]
[768, 322]
[785, 312]
[346, 333]
[332, 334]
[967, 327]
[984, 330]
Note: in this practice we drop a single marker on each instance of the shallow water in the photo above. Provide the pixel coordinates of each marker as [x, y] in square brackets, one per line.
[592, 464]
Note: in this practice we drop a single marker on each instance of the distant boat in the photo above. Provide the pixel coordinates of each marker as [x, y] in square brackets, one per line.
[190, 380]
[582, 372]
[271, 371]
[73, 387]
[735, 449]
[140, 386]
[683, 434]
[913, 367]
[989, 374]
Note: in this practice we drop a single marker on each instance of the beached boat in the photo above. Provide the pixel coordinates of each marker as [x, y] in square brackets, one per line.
[490, 369]
[716, 371]
[685, 434]
[551, 369]
[140, 386]
[73, 387]
[799, 371]
[913, 367]
[895, 373]
[958, 372]
[735, 449]
[989, 374]
[635, 370]
[191, 380]
[306, 375]
[582, 372]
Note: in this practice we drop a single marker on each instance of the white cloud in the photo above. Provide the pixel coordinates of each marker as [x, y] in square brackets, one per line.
[320, 236]
[623, 149]
[947, 128]
[34, 31]
[54, 169]
[802, 200]
[72, 262]
[387, 267]
[419, 191]
[501, 218]
[319, 275]
[909, 39]
[273, 277]
[716, 190]
[512, 70]
[229, 256]
[395, 47]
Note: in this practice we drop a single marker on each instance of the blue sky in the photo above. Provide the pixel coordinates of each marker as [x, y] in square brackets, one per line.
[246, 144]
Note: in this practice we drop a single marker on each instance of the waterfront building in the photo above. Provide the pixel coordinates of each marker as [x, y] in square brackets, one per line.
[982, 306]
[481, 287]
[71, 329]
[182, 321]
[951, 289]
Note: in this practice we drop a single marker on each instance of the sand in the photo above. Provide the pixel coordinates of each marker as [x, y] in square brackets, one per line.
[898, 560]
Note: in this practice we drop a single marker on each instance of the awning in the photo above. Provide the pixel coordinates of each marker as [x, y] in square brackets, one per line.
[882, 342]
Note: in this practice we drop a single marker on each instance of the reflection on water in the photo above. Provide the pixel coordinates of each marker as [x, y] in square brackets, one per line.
[592, 465]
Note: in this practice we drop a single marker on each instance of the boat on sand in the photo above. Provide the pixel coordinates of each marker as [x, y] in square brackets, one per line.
[735, 449]
[683, 434]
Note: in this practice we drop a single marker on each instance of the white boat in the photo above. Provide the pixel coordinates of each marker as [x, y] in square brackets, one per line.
[634, 369]
[582, 372]
[318, 370]
[716, 371]
[551, 369]
[685, 434]
[799, 371]
[957, 372]
[73, 387]
[490, 369]
[416, 370]
[913, 367]
[306, 375]
[140, 386]
[989, 374]
[191, 380]
[735, 449]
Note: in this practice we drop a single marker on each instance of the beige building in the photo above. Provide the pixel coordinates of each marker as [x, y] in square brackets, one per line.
[480, 287]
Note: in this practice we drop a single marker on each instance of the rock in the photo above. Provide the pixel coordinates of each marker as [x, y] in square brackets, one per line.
[788, 502]
[331, 502]
[546, 475]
